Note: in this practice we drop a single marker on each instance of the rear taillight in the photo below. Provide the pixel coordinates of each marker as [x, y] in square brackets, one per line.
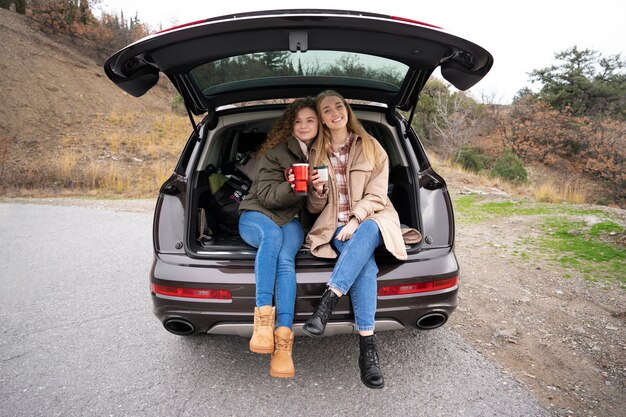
[191, 292]
[418, 287]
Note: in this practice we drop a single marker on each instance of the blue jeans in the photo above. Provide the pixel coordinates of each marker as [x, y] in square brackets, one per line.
[274, 265]
[356, 270]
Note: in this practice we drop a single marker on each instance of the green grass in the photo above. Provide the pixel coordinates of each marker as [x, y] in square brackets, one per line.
[472, 209]
[566, 238]
[578, 246]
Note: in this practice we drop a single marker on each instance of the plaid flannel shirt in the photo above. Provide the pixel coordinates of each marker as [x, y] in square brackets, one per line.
[339, 161]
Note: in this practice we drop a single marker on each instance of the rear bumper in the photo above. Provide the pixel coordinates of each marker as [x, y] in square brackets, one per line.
[333, 328]
[235, 317]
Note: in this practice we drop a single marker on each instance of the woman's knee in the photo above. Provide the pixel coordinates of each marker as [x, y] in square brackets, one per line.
[292, 239]
[261, 229]
[272, 234]
[293, 231]
[369, 227]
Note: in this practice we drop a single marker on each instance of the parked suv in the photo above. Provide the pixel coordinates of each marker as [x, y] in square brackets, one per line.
[239, 71]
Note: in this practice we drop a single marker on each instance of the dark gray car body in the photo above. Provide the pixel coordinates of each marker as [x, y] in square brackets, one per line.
[190, 275]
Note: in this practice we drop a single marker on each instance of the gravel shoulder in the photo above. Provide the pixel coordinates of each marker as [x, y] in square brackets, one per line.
[562, 338]
[122, 204]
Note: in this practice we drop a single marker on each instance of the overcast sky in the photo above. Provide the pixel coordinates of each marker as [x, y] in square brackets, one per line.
[521, 35]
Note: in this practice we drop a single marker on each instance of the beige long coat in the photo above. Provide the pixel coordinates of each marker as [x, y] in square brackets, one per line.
[367, 188]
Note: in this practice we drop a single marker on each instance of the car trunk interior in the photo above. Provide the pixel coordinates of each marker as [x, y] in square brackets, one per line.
[231, 150]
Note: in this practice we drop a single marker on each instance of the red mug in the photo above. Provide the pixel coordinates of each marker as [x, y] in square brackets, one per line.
[301, 174]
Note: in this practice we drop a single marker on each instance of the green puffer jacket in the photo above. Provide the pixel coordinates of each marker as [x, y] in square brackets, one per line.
[271, 194]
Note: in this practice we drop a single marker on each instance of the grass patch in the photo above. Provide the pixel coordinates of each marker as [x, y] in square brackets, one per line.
[578, 246]
[577, 238]
[474, 209]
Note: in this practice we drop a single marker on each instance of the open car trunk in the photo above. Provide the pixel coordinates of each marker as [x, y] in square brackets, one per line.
[230, 150]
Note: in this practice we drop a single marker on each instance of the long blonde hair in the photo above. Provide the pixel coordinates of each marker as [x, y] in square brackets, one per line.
[283, 128]
[323, 146]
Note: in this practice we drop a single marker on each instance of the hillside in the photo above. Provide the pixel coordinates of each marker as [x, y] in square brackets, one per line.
[51, 90]
[65, 128]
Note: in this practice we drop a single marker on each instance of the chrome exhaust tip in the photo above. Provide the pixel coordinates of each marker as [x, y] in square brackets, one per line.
[432, 320]
[179, 327]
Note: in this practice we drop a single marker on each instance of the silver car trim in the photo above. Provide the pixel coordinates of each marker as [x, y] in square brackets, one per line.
[332, 328]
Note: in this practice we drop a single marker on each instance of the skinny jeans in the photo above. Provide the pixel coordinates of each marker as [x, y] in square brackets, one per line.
[355, 271]
[274, 265]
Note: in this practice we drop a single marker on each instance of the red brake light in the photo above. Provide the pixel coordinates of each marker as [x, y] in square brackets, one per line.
[418, 287]
[191, 292]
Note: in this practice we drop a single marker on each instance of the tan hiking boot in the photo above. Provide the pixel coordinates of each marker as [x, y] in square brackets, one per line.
[281, 365]
[262, 340]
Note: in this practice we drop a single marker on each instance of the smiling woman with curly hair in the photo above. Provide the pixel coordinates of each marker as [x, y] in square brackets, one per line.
[283, 128]
[270, 222]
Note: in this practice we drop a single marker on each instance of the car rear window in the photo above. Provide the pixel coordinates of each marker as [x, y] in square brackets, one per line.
[261, 65]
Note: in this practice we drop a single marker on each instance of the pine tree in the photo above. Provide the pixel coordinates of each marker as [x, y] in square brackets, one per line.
[20, 6]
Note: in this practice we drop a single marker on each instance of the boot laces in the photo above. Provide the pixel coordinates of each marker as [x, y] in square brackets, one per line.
[264, 321]
[282, 344]
[371, 355]
[326, 304]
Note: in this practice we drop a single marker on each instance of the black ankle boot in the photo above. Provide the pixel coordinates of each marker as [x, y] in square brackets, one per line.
[315, 326]
[371, 375]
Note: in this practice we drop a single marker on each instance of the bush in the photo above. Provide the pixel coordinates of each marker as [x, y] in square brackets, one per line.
[178, 106]
[473, 159]
[510, 167]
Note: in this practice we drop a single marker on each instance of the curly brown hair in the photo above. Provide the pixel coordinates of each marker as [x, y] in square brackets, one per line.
[283, 128]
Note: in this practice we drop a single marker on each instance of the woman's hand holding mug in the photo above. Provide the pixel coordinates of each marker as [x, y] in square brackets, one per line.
[298, 177]
[319, 177]
[291, 179]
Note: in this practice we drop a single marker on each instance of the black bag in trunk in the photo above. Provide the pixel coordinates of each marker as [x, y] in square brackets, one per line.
[224, 203]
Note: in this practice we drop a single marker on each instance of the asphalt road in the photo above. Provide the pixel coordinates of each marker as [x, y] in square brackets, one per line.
[78, 338]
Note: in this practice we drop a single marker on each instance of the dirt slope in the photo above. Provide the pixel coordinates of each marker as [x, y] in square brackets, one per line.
[48, 88]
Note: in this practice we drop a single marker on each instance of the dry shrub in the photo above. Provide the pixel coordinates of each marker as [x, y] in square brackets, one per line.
[152, 175]
[540, 133]
[147, 136]
[92, 175]
[4, 150]
[122, 119]
[160, 171]
[116, 180]
[107, 178]
[606, 151]
[67, 165]
[553, 191]
[114, 142]
[70, 140]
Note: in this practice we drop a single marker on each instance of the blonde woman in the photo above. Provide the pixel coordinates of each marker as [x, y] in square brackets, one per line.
[355, 217]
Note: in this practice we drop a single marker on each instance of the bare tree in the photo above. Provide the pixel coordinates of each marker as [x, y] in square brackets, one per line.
[457, 119]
